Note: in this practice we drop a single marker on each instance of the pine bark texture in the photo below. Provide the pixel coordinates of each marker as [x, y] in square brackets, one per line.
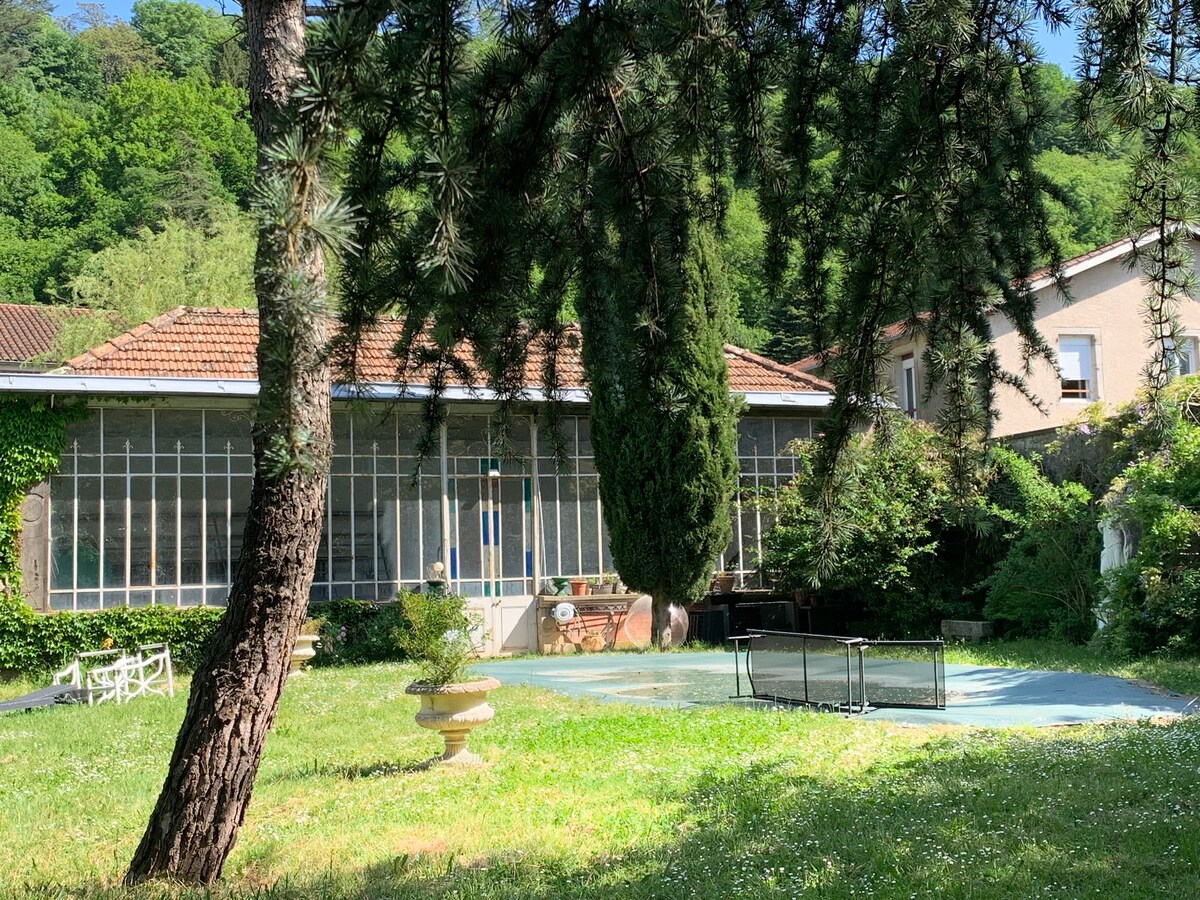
[235, 694]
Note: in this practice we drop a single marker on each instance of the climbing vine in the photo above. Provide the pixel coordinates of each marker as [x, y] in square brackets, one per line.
[33, 431]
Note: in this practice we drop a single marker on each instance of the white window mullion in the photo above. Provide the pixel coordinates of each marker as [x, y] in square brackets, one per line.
[178, 522]
[100, 529]
[353, 526]
[128, 520]
[375, 513]
[203, 508]
[75, 528]
[153, 510]
[228, 518]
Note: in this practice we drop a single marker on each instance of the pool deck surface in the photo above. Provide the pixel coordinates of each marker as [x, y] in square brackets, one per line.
[976, 695]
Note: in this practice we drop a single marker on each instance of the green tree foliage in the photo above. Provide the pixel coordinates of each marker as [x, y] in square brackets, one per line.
[20, 22]
[742, 244]
[663, 433]
[149, 121]
[120, 51]
[80, 178]
[184, 35]
[886, 574]
[141, 277]
[1087, 212]
[1026, 555]
[1046, 583]
[60, 62]
[576, 160]
[1153, 601]
[897, 176]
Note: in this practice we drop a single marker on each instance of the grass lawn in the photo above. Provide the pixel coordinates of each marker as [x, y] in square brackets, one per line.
[580, 799]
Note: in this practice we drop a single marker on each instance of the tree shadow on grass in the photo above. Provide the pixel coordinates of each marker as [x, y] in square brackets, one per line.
[1105, 813]
[992, 815]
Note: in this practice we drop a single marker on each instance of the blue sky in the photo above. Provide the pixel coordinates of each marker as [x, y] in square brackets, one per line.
[1056, 48]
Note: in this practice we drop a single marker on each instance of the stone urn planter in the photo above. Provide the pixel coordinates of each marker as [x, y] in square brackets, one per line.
[455, 710]
[305, 649]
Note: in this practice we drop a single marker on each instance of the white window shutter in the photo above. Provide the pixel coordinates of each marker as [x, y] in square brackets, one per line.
[1075, 358]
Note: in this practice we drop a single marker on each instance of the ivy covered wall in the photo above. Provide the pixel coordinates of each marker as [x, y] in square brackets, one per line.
[33, 432]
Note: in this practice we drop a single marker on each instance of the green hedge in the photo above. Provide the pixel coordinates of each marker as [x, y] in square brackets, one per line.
[352, 632]
[32, 643]
[358, 631]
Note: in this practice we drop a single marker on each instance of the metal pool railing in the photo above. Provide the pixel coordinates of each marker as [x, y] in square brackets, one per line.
[846, 674]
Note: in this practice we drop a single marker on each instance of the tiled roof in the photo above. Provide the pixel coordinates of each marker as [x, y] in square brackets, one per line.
[191, 342]
[29, 331]
[892, 332]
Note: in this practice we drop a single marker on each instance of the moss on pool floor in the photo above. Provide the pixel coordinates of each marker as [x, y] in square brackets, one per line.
[583, 799]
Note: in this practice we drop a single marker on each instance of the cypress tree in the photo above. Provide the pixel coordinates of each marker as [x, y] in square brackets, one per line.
[663, 432]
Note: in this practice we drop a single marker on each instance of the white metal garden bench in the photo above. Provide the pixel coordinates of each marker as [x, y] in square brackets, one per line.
[147, 670]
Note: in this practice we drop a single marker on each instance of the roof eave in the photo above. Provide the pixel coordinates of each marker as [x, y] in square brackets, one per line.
[62, 383]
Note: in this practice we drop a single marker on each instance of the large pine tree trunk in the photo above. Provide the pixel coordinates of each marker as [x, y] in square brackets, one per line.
[235, 694]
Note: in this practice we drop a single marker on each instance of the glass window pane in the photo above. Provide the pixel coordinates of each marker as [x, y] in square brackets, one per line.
[114, 533]
[86, 432]
[365, 545]
[216, 530]
[386, 510]
[431, 522]
[469, 509]
[62, 537]
[139, 531]
[549, 527]
[87, 549]
[467, 436]
[191, 533]
[228, 431]
[177, 428]
[568, 534]
[790, 430]
[513, 513]
[410, 530]
[341, 540]
[165, 501]
[589, 525]
[755, 437]
[130, 425]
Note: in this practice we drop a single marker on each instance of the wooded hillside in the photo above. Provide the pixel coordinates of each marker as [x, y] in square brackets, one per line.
[126, 156]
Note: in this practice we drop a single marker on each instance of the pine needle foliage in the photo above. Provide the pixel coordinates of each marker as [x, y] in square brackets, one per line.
[896, 172]
[533, 161]
[547, 162]
[1140, 69]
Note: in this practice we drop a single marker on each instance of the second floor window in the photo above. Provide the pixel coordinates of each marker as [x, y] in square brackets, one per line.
[1181, 358]
[1076, 368]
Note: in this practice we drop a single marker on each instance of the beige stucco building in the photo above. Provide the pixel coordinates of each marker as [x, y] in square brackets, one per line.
[1098, 334]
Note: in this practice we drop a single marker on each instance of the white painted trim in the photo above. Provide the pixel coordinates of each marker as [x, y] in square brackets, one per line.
[119, 385]
[1122, 248]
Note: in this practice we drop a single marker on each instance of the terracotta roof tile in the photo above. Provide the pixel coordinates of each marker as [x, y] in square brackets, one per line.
[28, 331]
[193, 342]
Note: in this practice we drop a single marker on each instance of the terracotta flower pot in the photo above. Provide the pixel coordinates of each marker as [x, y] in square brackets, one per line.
[579, 587]
[455, 710]
[724, 583]
[304, 650]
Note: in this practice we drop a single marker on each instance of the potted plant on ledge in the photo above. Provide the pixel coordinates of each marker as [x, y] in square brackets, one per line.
[437, 636]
